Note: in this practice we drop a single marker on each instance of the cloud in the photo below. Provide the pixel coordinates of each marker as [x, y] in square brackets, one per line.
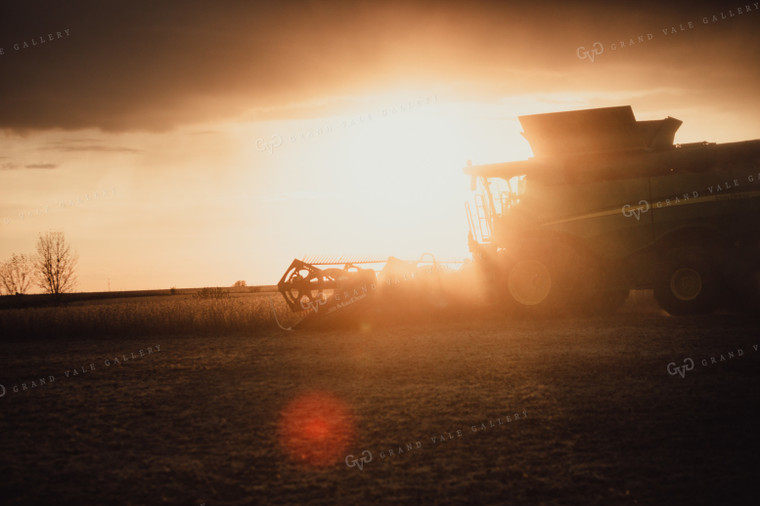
[86, 144]
[92, 147]
[16, 166]
[42, 166]
[206, 132]
[154, 66]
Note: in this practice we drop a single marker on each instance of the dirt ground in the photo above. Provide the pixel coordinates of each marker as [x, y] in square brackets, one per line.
[609, 411]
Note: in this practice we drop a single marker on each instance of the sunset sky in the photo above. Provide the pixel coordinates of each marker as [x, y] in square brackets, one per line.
[198, 143]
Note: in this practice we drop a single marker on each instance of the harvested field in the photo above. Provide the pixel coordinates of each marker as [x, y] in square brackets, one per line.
[269, 418]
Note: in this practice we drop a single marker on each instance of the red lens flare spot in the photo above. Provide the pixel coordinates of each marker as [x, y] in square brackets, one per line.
[316, 429]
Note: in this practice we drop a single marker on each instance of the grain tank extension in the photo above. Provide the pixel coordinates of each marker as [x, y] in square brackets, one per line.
[608, 204]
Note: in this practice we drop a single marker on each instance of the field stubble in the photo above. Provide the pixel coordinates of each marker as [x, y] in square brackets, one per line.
[154, 316]
[200, 421]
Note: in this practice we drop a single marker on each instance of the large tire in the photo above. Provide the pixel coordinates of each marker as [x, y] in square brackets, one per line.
[545, 279]
[687, 281]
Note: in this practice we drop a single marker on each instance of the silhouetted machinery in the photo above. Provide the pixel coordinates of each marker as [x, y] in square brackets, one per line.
[609, 203]
[318, 291]
[606, 205]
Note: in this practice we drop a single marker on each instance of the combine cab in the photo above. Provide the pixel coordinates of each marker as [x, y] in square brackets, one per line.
[609, 204]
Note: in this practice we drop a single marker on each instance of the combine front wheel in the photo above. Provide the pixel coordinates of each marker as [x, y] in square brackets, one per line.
[542, 279]
[530, 282]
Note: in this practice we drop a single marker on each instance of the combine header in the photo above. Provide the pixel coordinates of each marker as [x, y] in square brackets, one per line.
[351, 293]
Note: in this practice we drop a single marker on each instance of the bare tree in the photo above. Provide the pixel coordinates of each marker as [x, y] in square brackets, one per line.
[55, 263]
[16, 274]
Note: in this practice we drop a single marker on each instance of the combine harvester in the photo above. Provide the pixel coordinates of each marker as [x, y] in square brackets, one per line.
[608, 204]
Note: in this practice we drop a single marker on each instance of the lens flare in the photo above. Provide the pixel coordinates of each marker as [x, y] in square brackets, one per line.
[315, 429]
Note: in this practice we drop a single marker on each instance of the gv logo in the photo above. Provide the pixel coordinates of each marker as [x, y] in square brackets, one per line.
[365, 459]
[262, 145]
[596, 50]
[688, 365]
[637, 211]
[314, 306]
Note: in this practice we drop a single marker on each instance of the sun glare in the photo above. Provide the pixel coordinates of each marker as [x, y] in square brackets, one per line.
[381, 179]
